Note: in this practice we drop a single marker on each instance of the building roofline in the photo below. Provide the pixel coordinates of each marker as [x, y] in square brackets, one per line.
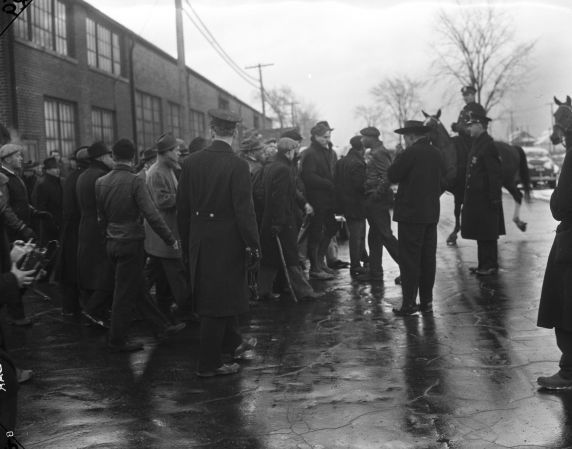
[140, 40]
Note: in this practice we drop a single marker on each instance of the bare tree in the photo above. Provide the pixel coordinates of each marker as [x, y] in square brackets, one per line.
[306, 117]
[371, 115]
[478, 48]
[281, 101]
[398, 97]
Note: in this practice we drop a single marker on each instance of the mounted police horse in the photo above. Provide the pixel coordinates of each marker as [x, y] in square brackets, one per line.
[457, 148]
[562, 121]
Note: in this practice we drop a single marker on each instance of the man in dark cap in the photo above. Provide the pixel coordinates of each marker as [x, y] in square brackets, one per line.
[317, 171]
[378, 202]
[95, 275]
[30, 175]
[251, 151]
[418, 169]
[197, 144]
[123, 200]
[165, 266]
[146, 159]
[47, 196]
[469, 97]
[350, 179]
[482, 216]
[67, 272]
[220, 238]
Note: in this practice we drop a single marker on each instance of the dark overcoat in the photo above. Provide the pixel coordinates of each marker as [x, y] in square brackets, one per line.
[482, 215]
[317, 172]
[280, 209]
[67, 260]
[217, 223]
[18, 200]
[94, 268]
[419, 171]
[349, 180]
[47, 196]
[555, 308]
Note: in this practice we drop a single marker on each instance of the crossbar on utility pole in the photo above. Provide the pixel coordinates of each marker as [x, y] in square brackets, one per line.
[262, 95]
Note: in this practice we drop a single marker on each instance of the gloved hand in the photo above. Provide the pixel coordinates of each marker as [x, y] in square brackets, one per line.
[43, 215]
[276, 229]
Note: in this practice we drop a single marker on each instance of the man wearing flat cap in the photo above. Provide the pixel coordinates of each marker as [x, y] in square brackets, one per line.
[317, 172]
[350, 179]
[482, 216]
[418, 170]
[378, 202]
[279, 222]
[220, 242]
[95, 274]
[251, 150]
[165, 266]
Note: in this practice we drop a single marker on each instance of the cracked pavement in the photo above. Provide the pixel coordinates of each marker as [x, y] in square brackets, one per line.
[339, 372]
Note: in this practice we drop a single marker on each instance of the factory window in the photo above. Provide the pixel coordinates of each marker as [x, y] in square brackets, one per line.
[174, 119]
[148, 115]
[103, 125]
[197, 124]
[44, 22]
[60, 121]
[103, 48]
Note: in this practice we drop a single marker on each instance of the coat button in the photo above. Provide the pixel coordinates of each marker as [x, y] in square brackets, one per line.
[211, 215]
[196, 213]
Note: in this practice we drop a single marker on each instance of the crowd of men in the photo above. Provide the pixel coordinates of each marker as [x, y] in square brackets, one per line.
[206, 228]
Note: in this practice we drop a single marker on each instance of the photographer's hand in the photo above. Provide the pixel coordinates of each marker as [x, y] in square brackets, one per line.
[24, 278]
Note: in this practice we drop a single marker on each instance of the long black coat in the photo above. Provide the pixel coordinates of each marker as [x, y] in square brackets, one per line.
[317, 172]
[18, 199]
[94, 268]
[280, 209]
[67, 262]
[47, 196]
[555, 308]
[419, 170]
[482, 215]
[217, 223]
[349, 180]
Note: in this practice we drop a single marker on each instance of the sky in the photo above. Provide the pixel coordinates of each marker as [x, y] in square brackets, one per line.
[332, 52]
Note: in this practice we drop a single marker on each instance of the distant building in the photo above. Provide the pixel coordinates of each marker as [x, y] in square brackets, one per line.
[71, 75]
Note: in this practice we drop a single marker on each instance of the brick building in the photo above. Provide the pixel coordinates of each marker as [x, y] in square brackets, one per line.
[70, 75]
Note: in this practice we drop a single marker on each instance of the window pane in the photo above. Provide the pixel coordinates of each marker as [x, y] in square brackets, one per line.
[116, 54]
[148, 109]
[42, 29]
[91, 43]
[104, 48]
[60, 123]
[61, 31]
[22, 23]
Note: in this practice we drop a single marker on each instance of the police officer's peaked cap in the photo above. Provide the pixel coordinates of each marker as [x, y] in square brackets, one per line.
[468, 90]
[370, 131]
[166, 142]
[9, 149]
[475, 117]
[226, 117]
[97, 149]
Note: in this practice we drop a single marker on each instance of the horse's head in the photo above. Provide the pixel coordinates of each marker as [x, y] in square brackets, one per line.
[440, 138]
[4, 135]
[562, 121]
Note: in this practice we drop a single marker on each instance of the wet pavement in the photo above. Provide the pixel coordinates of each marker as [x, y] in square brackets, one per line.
[340, 372]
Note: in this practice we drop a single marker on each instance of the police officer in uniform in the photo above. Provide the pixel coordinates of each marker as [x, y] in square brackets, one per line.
[220, 238]
[471, 106]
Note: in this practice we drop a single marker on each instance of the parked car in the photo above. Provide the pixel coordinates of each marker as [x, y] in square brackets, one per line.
[543, 170]
[558, 158]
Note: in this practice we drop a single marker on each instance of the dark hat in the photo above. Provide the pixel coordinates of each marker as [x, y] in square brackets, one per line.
[292, 134]
[356, 142]
[50, 162]
[320, 129]
[250, 144]
[124, 150]
[148, 154]
[198, 144]
[9, 149]
[81, 154]
[227, 117]
[166, 142]
[413, 127]
[73, 157]
[97, 149]
[370, 131]
[326, 124]
[468, 90]
[286, 144]
[30, 165]
[475, 117]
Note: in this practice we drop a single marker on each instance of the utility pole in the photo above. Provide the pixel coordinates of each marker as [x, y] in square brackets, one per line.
[262, 95]
[293, 113]
[182, 66]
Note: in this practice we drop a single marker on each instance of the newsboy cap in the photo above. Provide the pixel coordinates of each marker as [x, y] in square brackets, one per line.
[165, 142]
[9, 149]
[124, 149]
[97, 149]
[50, 163]
[250, 144]
[320, 129]
[370, 131]
[292, 134]
[468, 90]
[356, 142]
[286, 144]
[413, 127]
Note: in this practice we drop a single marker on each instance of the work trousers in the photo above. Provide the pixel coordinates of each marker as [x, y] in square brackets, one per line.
[564, 342]
[356, 228]
[128, 260]
[267, 275]
[219, 335]
[417, 261]
[97, 303]
[380, 235]
[323, 227]
[8, 399]
[170, 279]
[488, 254]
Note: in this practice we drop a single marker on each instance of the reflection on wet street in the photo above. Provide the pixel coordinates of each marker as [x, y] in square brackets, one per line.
[339, 372]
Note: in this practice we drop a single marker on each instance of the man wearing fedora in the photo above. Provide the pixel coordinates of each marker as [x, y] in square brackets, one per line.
[95, 275]
[220, 237]
[165, 266]
[482, 216]
[418, 169]
[378, 202]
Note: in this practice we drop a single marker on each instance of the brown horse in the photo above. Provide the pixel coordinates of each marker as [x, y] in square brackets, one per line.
[513, 163]
[562, 121]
